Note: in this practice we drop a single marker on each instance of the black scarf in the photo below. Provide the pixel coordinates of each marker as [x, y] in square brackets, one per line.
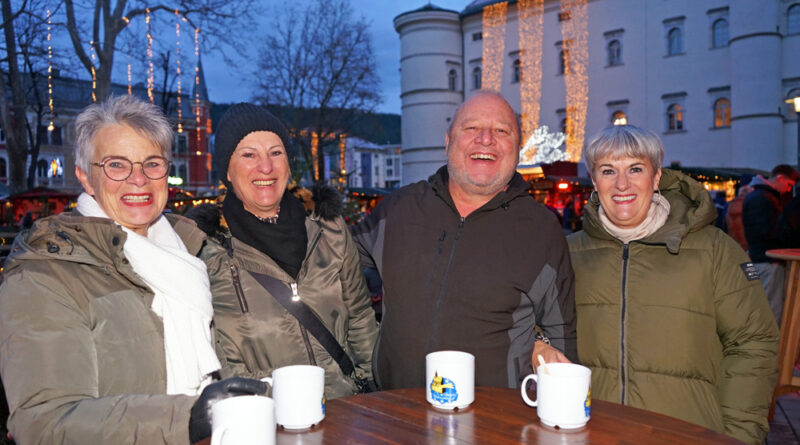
[285, 242]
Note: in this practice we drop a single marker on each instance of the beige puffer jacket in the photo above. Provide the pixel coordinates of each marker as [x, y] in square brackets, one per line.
[81, 353]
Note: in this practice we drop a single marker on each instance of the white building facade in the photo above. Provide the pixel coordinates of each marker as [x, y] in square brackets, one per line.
[367, 164]
[711, 77]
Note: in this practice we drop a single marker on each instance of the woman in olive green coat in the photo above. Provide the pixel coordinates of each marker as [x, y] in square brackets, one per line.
[671, 316]
[263, 230]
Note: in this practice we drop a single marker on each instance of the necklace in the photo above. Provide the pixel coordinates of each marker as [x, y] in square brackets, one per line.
[270, 219]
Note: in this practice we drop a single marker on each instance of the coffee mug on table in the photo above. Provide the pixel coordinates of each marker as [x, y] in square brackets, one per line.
[243, 420]
[563, 394]
[450, 379]
[299, 394]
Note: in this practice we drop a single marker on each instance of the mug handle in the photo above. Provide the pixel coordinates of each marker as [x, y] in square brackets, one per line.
[217, 437]
[268, 380]
[528, 401]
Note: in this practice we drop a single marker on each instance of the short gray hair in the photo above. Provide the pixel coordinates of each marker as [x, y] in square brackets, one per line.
[144, 117]
[624, 140]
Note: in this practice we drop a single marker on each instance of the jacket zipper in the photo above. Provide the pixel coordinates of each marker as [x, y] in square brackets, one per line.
[237, 285]
[622, 321]
[443, 285]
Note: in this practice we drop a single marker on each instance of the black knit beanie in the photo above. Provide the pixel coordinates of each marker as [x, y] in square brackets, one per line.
[239, 121]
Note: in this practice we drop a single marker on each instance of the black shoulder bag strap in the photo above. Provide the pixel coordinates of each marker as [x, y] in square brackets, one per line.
[308, 319]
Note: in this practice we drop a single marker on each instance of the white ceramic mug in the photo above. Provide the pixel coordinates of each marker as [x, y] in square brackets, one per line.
[450, 379]
[299, 394]
[563, 394]
[243, 420]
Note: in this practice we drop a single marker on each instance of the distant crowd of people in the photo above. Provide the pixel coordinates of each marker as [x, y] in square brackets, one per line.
[120, 323]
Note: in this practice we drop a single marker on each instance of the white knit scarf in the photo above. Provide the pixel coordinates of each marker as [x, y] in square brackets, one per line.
[655, 219]
[182, 298]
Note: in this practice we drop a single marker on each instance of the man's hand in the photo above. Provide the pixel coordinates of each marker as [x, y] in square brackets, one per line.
[200, 418]
[549, 353]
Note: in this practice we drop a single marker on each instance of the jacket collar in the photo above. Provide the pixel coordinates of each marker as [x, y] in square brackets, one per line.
[517, 187]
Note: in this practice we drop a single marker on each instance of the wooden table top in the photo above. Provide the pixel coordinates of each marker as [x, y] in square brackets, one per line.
[498, 416]
[784, 254]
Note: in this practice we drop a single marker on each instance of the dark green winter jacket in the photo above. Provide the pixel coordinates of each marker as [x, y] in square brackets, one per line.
[676, 322]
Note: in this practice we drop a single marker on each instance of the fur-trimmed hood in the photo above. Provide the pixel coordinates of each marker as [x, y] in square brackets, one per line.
[321, 201]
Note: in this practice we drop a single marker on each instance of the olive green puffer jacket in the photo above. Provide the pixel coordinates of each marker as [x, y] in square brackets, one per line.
[81, 352]
[256, 335]
[671, 323]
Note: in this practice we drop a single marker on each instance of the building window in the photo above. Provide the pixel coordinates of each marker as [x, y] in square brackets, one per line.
[619, 118]
[719, 32]
[451, 80]
[41, 168]
[793, 16]
[674, 117]
[51, 137]
[722, 113]
[563, 63]
[181, 143]
[614, 50]
[3, 169]
[563, 125]
[477, 36]
[674, 42]
[182, 173]
[476, 78]
[790, 113]
[515, 76]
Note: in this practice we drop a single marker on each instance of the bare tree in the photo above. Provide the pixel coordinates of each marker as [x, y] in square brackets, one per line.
[109, 19]
[317, 69]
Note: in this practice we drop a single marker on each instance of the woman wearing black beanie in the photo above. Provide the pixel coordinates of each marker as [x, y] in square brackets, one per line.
[277, 259]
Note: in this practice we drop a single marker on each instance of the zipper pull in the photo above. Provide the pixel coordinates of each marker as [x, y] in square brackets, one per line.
[295, 295]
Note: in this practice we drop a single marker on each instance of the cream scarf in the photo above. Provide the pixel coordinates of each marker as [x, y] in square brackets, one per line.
[655, 219]
[182, 299]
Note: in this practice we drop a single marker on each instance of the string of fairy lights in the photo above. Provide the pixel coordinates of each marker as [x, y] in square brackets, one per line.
[530, 47]
[574, 32]
[178, 67]
[50, 125]
[494, 40]
[197, 85]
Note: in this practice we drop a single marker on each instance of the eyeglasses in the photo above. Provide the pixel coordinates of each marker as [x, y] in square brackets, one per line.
[118, 168]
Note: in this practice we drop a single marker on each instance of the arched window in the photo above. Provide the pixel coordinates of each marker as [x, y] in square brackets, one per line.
[563, 63]
[675, 42]
[614, 50]
[564, 125]
[3, 169]
[476, 78]
[619, 118]
[793, 22]
[451, 80]
[172, 170]
[674, 117]
[516, 75]
[719, 33]
[722, 113]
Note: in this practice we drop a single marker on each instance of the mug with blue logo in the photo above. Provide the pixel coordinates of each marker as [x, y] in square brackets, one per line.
[450, 379]
[563, 394]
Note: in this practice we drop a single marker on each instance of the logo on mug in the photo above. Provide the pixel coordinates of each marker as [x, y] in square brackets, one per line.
[323, 402]
[587, 404]
[443, 390]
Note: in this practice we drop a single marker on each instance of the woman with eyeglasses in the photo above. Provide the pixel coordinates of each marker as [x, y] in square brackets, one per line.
[105, 312]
